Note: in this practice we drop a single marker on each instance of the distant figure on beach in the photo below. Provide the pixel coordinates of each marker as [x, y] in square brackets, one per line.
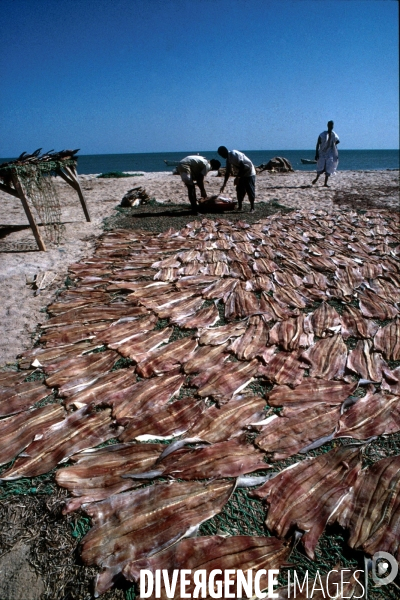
[245, 179]
[192, 170]
[326, 153]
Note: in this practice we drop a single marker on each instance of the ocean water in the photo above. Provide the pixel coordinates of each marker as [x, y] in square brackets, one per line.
[349, 160]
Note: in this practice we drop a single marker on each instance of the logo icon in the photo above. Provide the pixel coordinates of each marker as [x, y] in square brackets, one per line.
[384, 568]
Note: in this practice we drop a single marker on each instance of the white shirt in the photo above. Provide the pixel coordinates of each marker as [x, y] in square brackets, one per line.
[196, 165]
[241, 162]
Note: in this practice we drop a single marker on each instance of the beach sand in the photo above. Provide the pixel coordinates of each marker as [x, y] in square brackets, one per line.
[22, 308]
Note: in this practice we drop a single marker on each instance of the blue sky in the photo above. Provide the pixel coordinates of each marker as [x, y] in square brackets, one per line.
[120, 76]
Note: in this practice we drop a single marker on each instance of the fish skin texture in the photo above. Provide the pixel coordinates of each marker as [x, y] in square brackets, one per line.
[327, 357]
[96, 474]
[167, 358]
[22, 396]
[224, 381]
[170, 420]
[134, 525]
[219, 424]
[387, 340]
[306, 494]
[311, 391]
[18, 431]
[83, 428]
[295, 429]
[375, 414]
[371, 510]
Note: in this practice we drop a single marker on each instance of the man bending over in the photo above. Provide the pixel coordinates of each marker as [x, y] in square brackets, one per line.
[192, 170]
[245, 179]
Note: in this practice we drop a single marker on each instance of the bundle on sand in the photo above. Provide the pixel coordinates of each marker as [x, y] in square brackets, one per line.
[279, 164]
[217, 203]
[135, 197]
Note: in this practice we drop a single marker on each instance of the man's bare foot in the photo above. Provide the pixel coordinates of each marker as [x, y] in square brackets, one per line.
[326, 185]
[314, 181]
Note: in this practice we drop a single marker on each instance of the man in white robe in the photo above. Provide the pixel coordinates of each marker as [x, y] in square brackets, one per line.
[326, 153]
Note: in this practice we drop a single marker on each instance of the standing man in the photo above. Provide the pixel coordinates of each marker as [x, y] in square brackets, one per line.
[245, 179]
[192, 170]
[326, 153]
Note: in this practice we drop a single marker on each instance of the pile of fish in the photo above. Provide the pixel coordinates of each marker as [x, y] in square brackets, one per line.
[165, 338]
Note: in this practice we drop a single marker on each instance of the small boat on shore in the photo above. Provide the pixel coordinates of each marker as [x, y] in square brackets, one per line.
[307, 161]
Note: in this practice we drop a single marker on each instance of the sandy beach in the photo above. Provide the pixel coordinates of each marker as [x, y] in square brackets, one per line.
[22, 307]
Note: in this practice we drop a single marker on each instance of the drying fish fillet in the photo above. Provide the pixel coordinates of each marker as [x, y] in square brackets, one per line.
[219, 424]
[374, 306]
[274, 310]
[264, 266]
[373, 415]
[292, 333]
[348, 280]
[295, 429]
[206, 357]
[215, 336]
[387, 340]
[205, 317]
[89, 314]
[105, 391]
[371, 510]
[44, 356]
[90, 366]
[71, 334]
[364, 362]
[140, 346]
[22, 396]
[220, 289]
[183, 309]
[147, 395]
[119, 333]
[307, 493]
[385, 290]
[355, 325]
[311, 391]
[18, 431]
[327, 357]
[164, 301]
[224, 381]
[241, 303]
[283, 368]
[253, 342]
[134, 525]
[12, 378]
[230, 458]
[81, 429]
[241, 269]
[324, 319]
[167, 358]
[287, 296]
[96, 474]
[166, 421]
[214, 552]
[287, 279]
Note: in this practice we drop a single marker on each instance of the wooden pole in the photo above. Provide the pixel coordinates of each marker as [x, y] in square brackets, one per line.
[70, 176]
[24, 200]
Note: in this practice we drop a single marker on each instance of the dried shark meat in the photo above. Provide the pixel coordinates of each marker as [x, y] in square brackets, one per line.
[107, 390]
[18, 431]
[307, 493]
[311, 391]
[325, 319]
[355, 325]
[205, 317]
[167, 421]
[119, 333]
[371, 510]
[283, 368]
[292, 334]
[295, 429]
[223, 382]
[364, 362]
[206, 357]
[375, 307]
[373, 415]
[134, 525]
[22, 396]
[327, 357]
[387, 340]
[150, 394]
[215, 336]
[81, 429]
[253, 342]
[96, 474]
[167, 358]
[139, 347]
